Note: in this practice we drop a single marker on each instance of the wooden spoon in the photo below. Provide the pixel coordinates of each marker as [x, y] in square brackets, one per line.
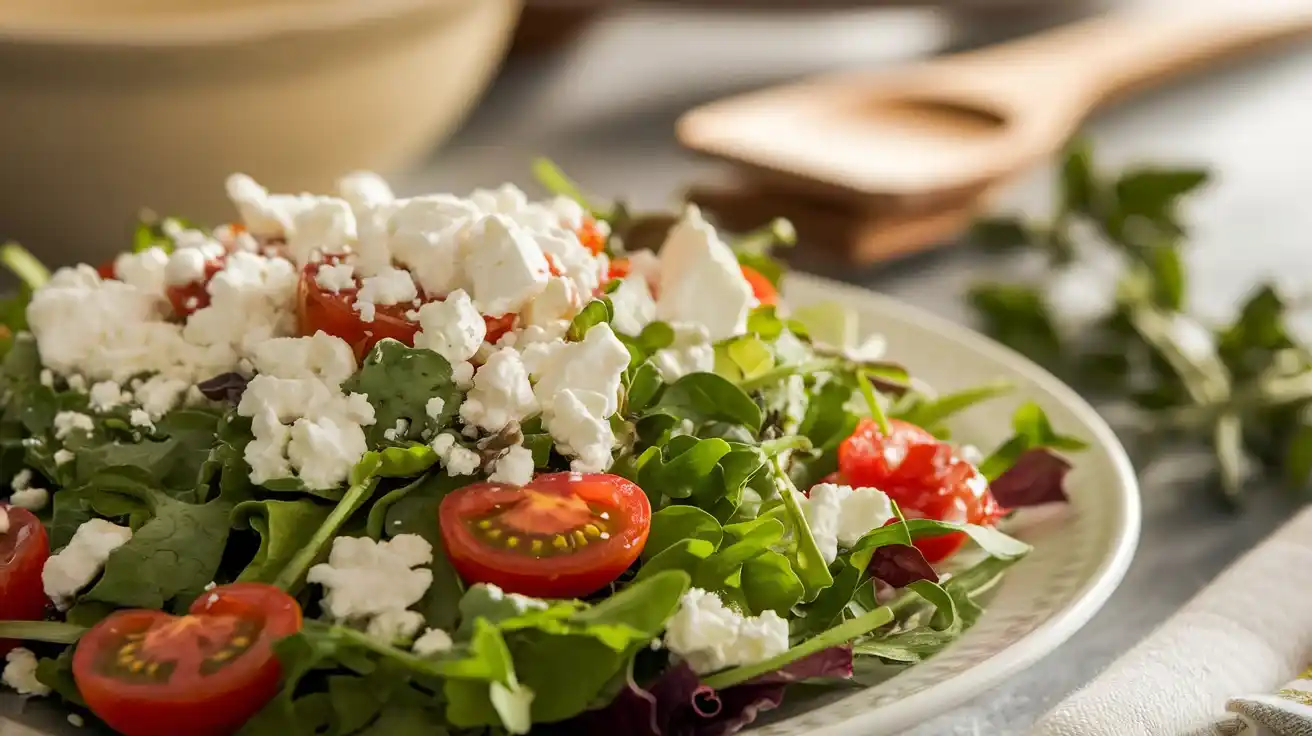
[951, 126]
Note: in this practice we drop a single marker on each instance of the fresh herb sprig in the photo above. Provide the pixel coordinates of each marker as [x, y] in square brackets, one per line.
[1243, 388]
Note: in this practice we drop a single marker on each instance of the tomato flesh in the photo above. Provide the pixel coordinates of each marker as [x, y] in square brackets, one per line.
[147, 673]
[318, 309]
[24, 550]
[590, 236]
[762, 289]
[925, 476]
[564, 535]
[187, 298]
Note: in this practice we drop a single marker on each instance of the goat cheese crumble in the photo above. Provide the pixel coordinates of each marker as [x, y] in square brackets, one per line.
[74, 567]
[376, 582]
[710, 636]
[20, 673]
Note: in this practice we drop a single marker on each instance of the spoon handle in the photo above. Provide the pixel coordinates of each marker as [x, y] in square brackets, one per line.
[1091, 62]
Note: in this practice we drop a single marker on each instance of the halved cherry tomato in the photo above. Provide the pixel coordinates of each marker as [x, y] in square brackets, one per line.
[24, 550]
[106, 271]
[187, 298]
[564, 535]
[762, 289]
[334, 313]
[590, 236]
[147, 673]
[923, 475]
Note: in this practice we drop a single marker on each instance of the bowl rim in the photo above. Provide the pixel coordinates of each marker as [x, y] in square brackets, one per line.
[216, 25]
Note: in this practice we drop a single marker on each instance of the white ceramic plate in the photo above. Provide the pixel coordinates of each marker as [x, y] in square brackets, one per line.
[1080, 552]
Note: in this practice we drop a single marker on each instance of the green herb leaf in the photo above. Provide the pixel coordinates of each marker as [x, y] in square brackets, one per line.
[673, 524]
[706, 397]
[399, 382]
[284, 527]
[24, 265]
[593, 313]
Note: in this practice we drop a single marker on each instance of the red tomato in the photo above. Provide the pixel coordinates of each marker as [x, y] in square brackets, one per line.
[147, 673]
[590, 235]
[106, 271]
[187, 298]
[334, 313]
[619, 268]
[762, 289]
[563, 535]
[924, 476]
[23, 553]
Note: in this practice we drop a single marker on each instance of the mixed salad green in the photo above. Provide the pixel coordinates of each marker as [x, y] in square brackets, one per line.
[362, 522]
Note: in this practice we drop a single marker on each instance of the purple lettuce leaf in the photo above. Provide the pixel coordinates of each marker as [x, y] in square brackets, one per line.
[900, 565]
[677, 704]
[1035, 479]
[224, 387]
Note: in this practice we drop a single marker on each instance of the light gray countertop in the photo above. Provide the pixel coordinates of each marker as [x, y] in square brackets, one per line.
[604, 110]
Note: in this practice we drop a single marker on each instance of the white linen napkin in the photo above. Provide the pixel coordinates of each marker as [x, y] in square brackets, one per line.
[1247, 632]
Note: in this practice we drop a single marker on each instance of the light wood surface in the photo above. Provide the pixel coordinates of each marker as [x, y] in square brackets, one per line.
[951, 126]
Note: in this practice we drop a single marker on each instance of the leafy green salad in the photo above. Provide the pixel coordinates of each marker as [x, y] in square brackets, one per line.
[364, 464]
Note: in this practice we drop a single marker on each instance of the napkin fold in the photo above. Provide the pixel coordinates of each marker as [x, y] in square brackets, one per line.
[1247, 632]
[1287, 712]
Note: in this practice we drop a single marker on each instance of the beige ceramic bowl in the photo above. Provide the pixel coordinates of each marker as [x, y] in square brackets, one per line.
[110, 105]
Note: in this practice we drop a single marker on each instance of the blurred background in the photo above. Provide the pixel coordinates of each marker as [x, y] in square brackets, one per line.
[110, 105]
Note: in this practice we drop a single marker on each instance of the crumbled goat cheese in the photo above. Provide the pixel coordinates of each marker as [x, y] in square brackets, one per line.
[252, 299]
[63, 456]
[424, 234]
[364, 580]
[67, 422]
[47, 378]
[335, 278]
[141, 418]
[392, 286]
[709, 636]
[32, 499]
[158, 395]
[304, 425]
[74, 567]
[4, 520]
[452, 328]
[107, 395]
[633, 305]
[364, 190]
[75, 720]
[144, 270]
[20, 673]
[841, 515]
[701, 281]
[691, 352]
[397, 431]
[578, 389]
[185, 266]
[504, 265]
[457, 459]
[558, 301]
[22, 479]
[501, 393]
[433, 641]
[434, 406]
[514, 467]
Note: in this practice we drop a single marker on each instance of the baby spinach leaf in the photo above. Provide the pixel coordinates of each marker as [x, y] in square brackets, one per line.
[177, 551]
[56, 673]
[156, 459]
[684, 465]
[399, 382]
[706, 397]
[644, 387]
[284, 528]
[677, 523]
[593, 313]
[685, 555]
[769, 583]
[745, 541]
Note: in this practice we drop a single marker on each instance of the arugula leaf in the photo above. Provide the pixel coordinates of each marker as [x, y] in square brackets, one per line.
[399, 382]
[809, 564]
[1019, 317]
[284, 528]
[24, 265]
[555, 181]
[685, 555]
[769, 583]
[363, 483]
[932, 412]
[706, 397]
[1032, 430]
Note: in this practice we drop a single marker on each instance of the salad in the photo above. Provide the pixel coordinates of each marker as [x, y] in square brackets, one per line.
[361, 464]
